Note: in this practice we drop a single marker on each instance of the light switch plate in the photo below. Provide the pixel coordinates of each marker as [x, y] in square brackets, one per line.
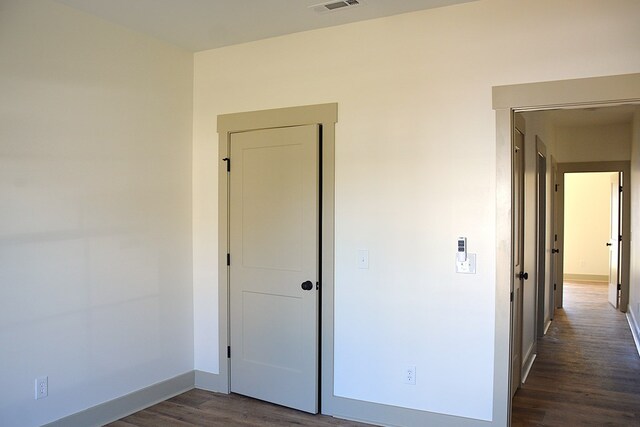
[363, 259]
[468, 266]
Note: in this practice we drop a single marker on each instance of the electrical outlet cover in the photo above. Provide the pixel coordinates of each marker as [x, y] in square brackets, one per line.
[410, 375]
[42, 387]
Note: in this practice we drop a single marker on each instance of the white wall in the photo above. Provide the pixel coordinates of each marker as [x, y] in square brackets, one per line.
[600, 143]
[415, 168]
[587, 205]
[634, 281]
[95, 211]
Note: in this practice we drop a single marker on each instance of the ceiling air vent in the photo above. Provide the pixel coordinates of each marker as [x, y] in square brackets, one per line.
[334, 5]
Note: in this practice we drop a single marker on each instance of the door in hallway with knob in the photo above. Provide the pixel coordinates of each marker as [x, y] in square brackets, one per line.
[274, 252]
[518, 256]
[615, 240]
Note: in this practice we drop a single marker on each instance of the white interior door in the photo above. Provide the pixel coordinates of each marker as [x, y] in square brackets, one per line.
[614, 241]
[274, 241]
[518, 260]
[554, 239]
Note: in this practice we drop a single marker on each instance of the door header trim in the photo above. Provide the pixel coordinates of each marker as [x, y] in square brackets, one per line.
[622, 88]
[278, 117]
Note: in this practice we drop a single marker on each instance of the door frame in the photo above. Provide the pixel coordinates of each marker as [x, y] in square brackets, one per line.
[586, 167]
[584, 92]
[542, 224]
[325, 115]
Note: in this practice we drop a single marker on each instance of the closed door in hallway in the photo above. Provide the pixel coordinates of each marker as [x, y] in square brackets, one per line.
[615, 240]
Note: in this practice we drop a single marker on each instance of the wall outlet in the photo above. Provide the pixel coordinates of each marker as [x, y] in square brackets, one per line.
[409, 375]
[42, 387]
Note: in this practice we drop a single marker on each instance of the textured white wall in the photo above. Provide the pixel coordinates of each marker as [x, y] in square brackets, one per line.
[415, 168]
[587, 208]
[95, 211]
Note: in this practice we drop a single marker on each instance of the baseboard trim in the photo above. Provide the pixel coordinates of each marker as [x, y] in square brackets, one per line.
[393, 416]
[586, 278]
[528, 366]
[128, 404]
[635, 328]
[546, 327]
[210, 382]
[344, 408]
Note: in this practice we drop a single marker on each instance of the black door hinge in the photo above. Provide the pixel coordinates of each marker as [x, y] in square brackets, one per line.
[228, 160]
[619, 286]
[556, 187]
[228, 259]
[620, 238]
[228, 352]
[511, 297]
[554, 286]
[317, 286]
[621, 188]
[555, 237]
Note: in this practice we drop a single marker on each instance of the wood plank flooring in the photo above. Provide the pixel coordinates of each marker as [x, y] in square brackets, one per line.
[587, 372]
[203, 408]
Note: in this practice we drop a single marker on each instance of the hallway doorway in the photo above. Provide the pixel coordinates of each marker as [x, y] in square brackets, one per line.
[592, 227]
[587, 94]
[619, 239]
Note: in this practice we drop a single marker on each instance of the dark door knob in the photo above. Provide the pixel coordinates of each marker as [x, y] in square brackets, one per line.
[523, 276]
[555, 251]
[307, 286]
[608, 244]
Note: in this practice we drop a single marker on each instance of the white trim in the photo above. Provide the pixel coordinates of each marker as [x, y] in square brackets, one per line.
[128, 404]
[547, 326]
[527, 368]
[635, 329]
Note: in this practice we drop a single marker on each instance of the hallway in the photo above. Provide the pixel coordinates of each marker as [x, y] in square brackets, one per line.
[587, 371]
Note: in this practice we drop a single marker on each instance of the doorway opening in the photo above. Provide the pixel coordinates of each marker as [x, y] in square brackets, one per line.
[608, 181]
[507, 101]
[570, 135]
[592, 230]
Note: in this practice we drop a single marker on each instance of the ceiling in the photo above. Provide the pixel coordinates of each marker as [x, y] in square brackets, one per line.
[595, 116]
[198, 25]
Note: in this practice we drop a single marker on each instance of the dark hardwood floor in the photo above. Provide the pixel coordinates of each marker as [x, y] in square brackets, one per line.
[587, 372]
[203, 408]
